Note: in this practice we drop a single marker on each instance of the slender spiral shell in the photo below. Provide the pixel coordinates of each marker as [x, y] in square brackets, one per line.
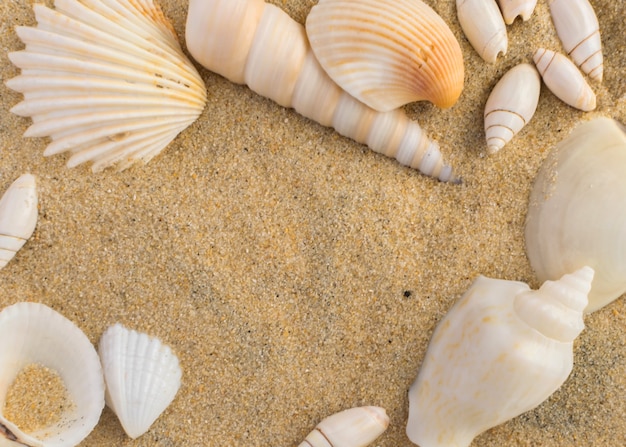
[484, 27]
[251, 42]
[511, 9]
[500, 351]
[18, 216]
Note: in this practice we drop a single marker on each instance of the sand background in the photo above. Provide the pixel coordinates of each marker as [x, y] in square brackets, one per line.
[296, 273]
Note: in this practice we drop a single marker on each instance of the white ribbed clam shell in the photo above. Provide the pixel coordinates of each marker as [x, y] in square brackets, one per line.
[577, 210]
[500, 351]
[578, 28]
[33, 333]
[387, 53]
[484, 27]
[142, 377]
[355, 427]
[511, 9]
[564, 80]
[18, 216]
[511, 105]
[105, 80]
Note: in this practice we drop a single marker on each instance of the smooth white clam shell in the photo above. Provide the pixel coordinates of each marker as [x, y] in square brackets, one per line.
[32, 333]
[511, 105]
[500, 351]
[18, 216]
[105, 80]
[511, 9]
[142, 377]
[484, 27]
[577, 210]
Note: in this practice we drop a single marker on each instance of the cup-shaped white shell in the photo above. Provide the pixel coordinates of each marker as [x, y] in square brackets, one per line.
[105, 80]
[387, 53]
[18, 216]
[511, 105]
[579, 31]
[355, 427]
[142, 377]
[500, 351]
[577, 210]
[32, 333]
[511, 9]
[484, 27]
[564, 80]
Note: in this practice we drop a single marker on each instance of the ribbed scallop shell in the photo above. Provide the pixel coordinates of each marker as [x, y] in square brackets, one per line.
[484, 27]
[511, 105]
[18, 216]
[32, 333]
[387, 53]
[106, 80]
[511, 9]
[142, 377]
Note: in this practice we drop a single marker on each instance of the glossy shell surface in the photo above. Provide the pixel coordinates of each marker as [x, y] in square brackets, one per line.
[484, 27]
[18, 216]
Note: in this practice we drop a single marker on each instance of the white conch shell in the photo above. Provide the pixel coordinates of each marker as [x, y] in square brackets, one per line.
[18, 216]
[142, 377]
[511, 105]
[483, 26]
[33, 333]
[577, 210]
[578, 28]
[511, 9]
[564, 80]
[387, 53]
[249, 41]
[500, 351]
[106, 80]
[355, 427]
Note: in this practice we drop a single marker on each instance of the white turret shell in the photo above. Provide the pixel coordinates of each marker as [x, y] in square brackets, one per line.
[511, 9]
[511, 105]
[355, 427]
[33, 333]
[484, 27]
[142, 377]
[578, 28]
[564, 80]
[577, 210]
[18, 216]
[500, 351]
[105, 80]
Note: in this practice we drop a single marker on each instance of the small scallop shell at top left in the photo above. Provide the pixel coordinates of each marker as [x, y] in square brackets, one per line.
[105, 80]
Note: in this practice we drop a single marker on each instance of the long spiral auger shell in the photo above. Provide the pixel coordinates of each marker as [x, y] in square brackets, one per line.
[251, 42]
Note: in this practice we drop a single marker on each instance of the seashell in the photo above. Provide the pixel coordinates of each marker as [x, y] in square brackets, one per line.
[500, 351]
[105, 80]
[577, 210]
[142, 377]
[18, 216]
[356, 427]
[579, 31]
[564, 80]
[511, 9]
[484, 27]
[251, 42]
[387, 53]
[511, 105]
[44, 337]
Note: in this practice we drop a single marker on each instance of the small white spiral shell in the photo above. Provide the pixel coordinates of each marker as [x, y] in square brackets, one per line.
[484, 27]
[511, 9]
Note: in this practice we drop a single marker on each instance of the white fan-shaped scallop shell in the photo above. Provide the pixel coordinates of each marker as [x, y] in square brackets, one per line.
[355, 427]
[511, 9]
[18, 216]
[577, 210]
[511, 105]
[32, 333]
[106, 80]
[578, 28]
[387, 53]
[564, 80]
[500, 351]
[484, 27]
[142, 377]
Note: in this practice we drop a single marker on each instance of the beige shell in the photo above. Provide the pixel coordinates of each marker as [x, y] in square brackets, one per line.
[564, 80]
[484, 27]
[578, 28]
[577, 210]
[511, 105]
[387, 53]
[511, 9]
